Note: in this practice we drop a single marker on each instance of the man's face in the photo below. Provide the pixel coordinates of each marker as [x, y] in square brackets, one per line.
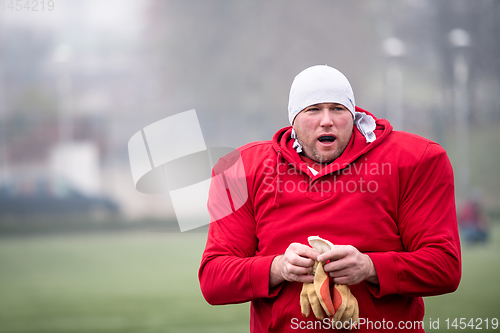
[323, 130]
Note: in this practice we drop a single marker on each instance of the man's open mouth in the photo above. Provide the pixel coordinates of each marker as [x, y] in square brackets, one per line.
[326, 138]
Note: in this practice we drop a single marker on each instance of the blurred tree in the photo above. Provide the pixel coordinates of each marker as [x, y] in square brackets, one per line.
[236, 60]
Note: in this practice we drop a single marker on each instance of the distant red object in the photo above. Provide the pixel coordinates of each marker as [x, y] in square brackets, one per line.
[472, 222]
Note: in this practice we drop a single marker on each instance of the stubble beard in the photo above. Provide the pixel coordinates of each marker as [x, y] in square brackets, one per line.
[324, 158]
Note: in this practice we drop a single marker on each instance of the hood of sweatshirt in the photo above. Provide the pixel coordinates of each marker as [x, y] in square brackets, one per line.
[357, 146]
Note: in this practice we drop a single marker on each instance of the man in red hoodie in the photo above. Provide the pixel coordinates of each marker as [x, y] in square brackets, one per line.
[384, 198]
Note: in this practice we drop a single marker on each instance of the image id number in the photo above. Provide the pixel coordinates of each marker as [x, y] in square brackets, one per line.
[28, 5]
[478, 323]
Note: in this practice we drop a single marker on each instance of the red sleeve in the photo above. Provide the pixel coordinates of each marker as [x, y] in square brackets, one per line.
[230, 272]
[428, 229]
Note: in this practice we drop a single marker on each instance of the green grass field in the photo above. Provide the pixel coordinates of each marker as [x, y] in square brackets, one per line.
[147, 282]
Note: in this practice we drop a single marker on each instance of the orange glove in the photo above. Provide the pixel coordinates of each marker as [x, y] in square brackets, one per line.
[322, 288]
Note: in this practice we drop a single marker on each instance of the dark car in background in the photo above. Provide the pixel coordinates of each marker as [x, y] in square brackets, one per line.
[51, 196]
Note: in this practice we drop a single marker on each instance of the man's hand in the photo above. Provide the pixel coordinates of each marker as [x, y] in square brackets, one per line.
[295, 265]
[348, 266]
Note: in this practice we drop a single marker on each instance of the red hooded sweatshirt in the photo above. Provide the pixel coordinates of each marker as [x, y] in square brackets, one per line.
[392, 199]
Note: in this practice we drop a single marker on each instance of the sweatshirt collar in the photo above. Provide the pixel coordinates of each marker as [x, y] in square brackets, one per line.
[357, 146]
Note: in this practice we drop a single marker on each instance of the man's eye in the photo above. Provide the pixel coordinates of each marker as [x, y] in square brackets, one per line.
[313, 109]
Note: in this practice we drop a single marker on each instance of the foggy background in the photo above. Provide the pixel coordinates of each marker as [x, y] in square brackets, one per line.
[78, 80]
[87, 75]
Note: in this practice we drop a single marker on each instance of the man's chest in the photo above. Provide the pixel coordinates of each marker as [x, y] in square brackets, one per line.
[356, 205]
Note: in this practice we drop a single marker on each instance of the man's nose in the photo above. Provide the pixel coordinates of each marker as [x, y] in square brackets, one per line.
[326, 118]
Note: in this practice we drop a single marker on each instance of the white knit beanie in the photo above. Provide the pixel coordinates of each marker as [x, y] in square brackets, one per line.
[319, 84]
[324, 84]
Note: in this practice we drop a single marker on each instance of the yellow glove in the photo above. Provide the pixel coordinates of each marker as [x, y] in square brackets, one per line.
[309, 299]
[340, 302]
[345, 304]
[317, 295]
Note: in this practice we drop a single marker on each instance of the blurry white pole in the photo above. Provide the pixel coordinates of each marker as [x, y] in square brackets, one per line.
[3, 148]
[394, 48]
[62, 57]
[394, 100]
[460, 39]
